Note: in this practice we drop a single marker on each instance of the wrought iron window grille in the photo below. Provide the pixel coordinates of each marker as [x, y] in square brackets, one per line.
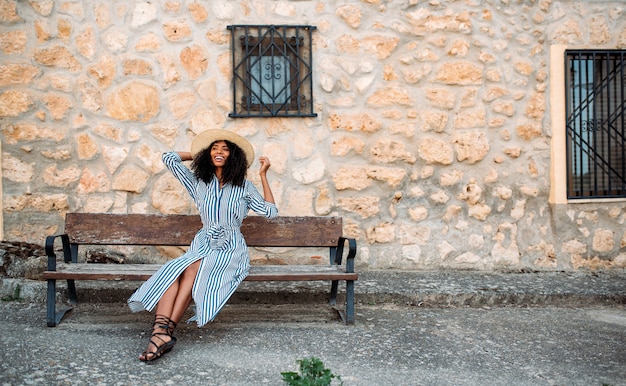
[596, 123]
[272, 71]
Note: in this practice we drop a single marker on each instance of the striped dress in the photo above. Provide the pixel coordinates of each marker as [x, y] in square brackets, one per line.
[219, 245]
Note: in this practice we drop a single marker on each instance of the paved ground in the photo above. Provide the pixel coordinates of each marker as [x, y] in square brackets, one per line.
[411, 329]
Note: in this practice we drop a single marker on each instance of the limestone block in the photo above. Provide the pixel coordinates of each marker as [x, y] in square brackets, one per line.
[411, 252]
[472, 146]
[529, 191]
[503, 193]
[479, 211]
[107, 131]
[181, 103]
[450, 179]
[136, 101]
[114, 156]
[411, 234]
[198, 13]
[469, 260]
[303, 145]
[143, 13]
[194, 60]
[350, 14]
[323, 201]
[503, 107]
[347, 44]
[311, 171]
[26, 132]
[568, 32]
[87, 147]
[130, 179]
[363, 206]
[115, 41]
[441, 98]
[57, 105]
[495, 92]
[13, 103]
[16, 170]
[285, 10]
[392, 176]
[75, 10]
[423, 22]
[536, 106]
[136, 67]
[518, 210]
[298, 202]
[169, 70]
[177, 30]
[150, 158]
[168, 196]
[468, 119]
[13, 42]
[439, 197]
[444, 248]
[460, 73]
[389, 151]
[459, 47]
[343, 145]
[90, 95]
[17, 74]
[381, 46]
[390, 96]
[524, 67]
[361, 122]
[166, 134]
[513, 152]
[435, 151]
[414, 74]
[149, 42]
[382, 233]
[419, 213]
[529, 131]
[96, 204]
[599, 32]
[42, 7]
[405, 128]
[49, 202]
[86, 43]
[434, 120]
[91, 182]
[101, 15]
[61, 178]
[57, 154]
[8, 12]
[603, 240]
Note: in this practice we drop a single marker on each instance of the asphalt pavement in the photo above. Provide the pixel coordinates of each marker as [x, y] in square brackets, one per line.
[411, 328]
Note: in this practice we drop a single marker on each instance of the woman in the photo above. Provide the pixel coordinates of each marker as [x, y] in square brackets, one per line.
[217, 260]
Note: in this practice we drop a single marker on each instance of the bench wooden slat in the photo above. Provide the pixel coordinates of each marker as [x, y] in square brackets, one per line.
[156, 229]
[141, 272]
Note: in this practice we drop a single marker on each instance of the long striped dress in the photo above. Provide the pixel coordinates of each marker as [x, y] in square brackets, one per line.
[219, 245]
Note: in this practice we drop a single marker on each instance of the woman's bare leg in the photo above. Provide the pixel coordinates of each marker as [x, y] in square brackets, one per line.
[183, 296]
[172, 306]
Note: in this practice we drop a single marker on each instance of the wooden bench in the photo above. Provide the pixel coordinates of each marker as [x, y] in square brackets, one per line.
[179, 230]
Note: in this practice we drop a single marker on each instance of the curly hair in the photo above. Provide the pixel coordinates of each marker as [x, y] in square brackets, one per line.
[234, 171]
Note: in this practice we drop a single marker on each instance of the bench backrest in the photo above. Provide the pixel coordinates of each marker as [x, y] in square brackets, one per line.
[155, 229]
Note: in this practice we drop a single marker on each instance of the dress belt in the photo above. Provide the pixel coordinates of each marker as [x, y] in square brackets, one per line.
[219, 235]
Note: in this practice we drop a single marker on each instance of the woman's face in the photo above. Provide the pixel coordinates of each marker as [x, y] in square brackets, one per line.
[219, 153]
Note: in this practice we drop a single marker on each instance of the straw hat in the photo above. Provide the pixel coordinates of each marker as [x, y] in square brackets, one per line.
[206, 138]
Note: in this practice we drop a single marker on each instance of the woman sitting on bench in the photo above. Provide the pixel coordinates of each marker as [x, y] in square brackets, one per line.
[217, 260]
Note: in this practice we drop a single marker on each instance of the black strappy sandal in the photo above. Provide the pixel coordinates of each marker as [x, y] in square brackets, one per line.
[167, 325]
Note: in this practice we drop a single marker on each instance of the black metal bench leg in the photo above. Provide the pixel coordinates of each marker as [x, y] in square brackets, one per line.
[333, 292]
[349, 301]
[53, 316]
[51, 303]
[71, 292]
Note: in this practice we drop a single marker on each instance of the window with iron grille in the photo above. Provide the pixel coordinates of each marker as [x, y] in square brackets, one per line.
[596, 123]
[272, 71]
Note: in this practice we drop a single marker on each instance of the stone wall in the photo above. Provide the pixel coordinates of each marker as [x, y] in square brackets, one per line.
[432, 139]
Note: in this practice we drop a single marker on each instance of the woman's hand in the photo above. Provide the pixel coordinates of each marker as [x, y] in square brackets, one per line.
[267, 191]
[265, 165]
